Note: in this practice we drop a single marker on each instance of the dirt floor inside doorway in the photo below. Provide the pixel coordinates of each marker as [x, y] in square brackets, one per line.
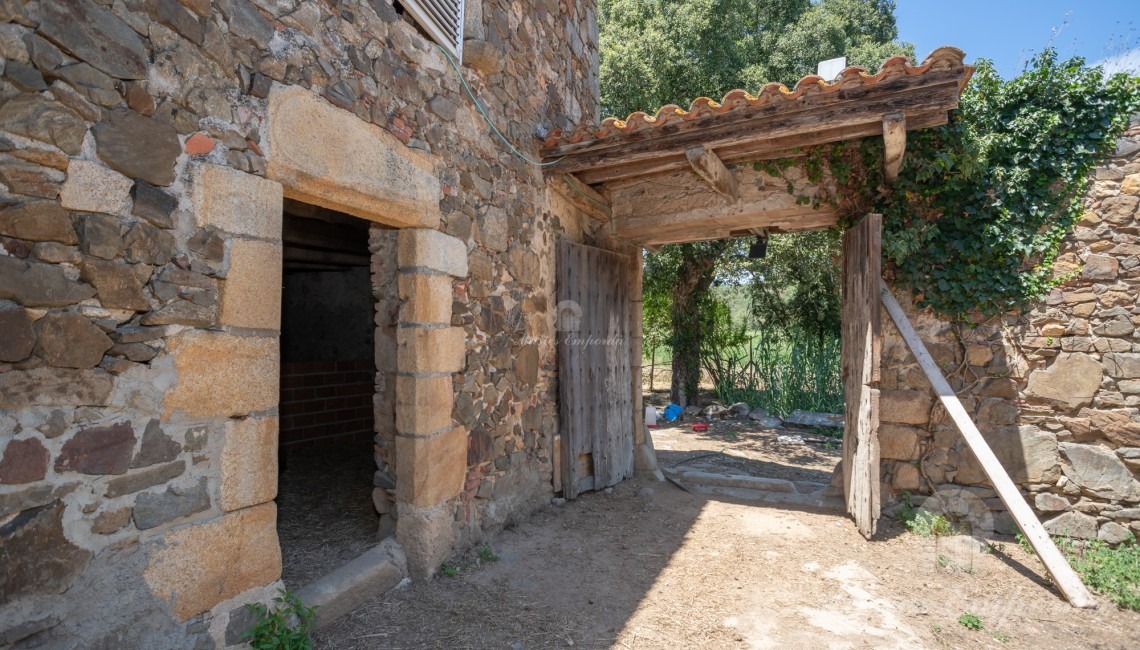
[648, 565]
[325, 516]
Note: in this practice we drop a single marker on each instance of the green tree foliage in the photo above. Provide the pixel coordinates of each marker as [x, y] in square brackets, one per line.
[682, 275]
[795, 288]
[862, 30]
[984, 203]
[658, 52]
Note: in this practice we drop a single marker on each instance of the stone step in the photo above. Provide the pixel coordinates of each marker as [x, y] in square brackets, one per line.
[758, 488]
[738, 481]
[813, 419]
[374, 572]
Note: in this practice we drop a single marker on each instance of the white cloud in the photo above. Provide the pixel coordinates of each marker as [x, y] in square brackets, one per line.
[1123, 62]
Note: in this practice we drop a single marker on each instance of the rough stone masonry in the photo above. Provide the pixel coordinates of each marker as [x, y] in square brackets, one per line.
[1055, 391]
[145, 150]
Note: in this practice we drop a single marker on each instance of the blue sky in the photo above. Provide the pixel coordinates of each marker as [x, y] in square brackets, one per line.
[1010, 31]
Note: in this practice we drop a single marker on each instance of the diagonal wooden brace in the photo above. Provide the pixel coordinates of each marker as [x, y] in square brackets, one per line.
[1055, 563]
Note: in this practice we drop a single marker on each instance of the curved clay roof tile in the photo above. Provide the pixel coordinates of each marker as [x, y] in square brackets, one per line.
[943, 58]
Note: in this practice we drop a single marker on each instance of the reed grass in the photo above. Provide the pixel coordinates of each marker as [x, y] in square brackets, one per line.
[778, 372]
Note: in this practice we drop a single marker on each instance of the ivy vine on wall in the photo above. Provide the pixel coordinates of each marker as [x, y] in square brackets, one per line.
[983, 204]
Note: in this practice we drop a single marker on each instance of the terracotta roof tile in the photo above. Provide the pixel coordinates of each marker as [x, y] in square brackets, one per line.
[942, 58]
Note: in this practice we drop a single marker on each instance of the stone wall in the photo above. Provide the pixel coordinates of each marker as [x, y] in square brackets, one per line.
[145, 147]
[1055, 391]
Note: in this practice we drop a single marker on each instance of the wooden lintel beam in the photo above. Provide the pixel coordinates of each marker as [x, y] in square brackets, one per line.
[653, 232]
[713, 172]
[582, 196]
[309, 256]
[894, 145]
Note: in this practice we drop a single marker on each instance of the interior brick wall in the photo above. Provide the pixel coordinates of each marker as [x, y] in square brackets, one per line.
[326, 402]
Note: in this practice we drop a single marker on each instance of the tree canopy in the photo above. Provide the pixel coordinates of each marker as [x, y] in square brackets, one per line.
[658, 52]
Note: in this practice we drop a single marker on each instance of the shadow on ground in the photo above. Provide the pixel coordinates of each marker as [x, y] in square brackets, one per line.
[648, 565]
[325, 516]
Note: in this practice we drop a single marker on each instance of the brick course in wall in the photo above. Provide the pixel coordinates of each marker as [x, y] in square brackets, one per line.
[327, 401]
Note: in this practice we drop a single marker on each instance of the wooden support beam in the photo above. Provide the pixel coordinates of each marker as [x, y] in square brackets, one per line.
[713, 172]
[582, 196]
[311, 256]
[938, 92]
[762, 148]
[894, 145]
[695, 226]
[1059, 569]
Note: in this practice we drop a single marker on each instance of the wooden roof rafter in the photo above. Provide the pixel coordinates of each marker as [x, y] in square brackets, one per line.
[775, 123]
[673, 177]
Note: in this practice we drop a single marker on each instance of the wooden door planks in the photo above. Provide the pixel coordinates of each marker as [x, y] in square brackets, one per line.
[862, 342]
[595, 381]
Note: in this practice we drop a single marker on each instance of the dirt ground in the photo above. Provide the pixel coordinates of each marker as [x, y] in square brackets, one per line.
[325, 515]
[744, 447]
[648, 565]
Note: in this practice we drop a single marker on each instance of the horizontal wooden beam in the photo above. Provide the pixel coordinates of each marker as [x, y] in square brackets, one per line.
[309, 256]
[648, 231]
[936, 92]
[755, 151]
[312, 233]
[582, 196]
[713, 172]
[894, 146]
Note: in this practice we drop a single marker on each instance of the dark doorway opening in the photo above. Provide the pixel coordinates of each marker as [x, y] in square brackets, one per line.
[328, 378]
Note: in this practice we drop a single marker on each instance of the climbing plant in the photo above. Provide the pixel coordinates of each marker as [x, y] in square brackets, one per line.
[658, 52]
[983, 204]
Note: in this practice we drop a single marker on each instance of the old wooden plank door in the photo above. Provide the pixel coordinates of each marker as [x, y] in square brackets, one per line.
[862, 342]
[595, 391]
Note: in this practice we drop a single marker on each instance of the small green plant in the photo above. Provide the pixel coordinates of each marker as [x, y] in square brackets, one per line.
[486, 554]
[1001, 636]
[927, 524]
[285, 627]
[1114, 572]
[943, 561]
[971, 621]
[907, 514]
[449, 569]
[828, 432]
[936, 629]
[1024, 544]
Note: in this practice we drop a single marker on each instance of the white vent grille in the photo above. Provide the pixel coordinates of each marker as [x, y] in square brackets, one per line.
[443, 19]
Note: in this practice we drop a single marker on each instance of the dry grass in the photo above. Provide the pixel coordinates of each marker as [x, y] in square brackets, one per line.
[325, 515]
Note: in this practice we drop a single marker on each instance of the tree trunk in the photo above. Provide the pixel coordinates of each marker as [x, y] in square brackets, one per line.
[695, 276]
[652, 367]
